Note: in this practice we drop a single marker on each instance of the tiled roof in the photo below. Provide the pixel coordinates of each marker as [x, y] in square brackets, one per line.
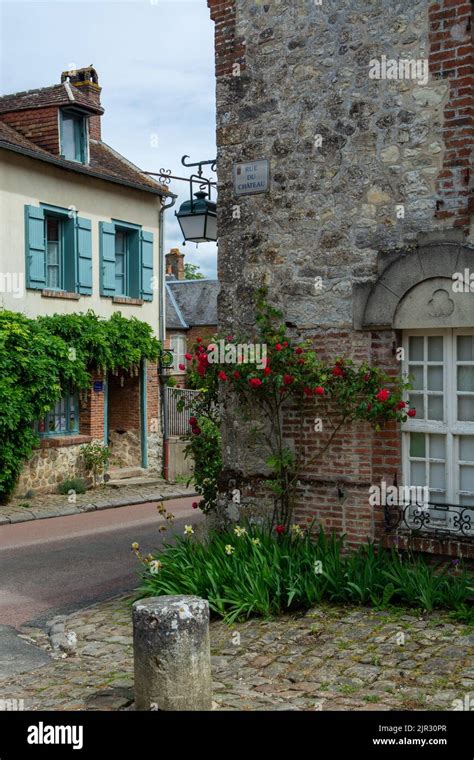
[105, 163]
[56, 95]
[196, 300]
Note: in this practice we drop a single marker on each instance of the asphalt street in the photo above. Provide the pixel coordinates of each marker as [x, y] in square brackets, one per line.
[55, 566]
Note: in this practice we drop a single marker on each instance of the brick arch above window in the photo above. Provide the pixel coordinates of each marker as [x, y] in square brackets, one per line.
[415, 289]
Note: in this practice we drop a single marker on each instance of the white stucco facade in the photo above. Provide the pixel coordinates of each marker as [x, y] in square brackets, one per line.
[27, 181]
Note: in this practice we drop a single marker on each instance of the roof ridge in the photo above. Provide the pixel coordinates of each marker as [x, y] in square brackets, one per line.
[30, 92]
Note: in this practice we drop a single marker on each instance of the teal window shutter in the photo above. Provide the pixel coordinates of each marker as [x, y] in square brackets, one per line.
[146, 258]
[83, 239]
[107, 258]
[35, 248]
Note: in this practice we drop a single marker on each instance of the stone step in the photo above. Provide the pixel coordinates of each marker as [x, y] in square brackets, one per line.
[122, 473]
[148, 480]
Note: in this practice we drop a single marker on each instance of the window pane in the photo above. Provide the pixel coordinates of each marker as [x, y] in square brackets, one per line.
[466, 448]
[435, 378]
[466, 478]
[416, 377]
[438, 497]
[418, 474]
[435, 349]
[437, 447]
[437, 476]
[417, 445]
[466, 408]
[435, 407]
[416, 349]
[119, 242]
[467, 501]
[466, 379]
[68, 139]
[465, 348]
[416, 402]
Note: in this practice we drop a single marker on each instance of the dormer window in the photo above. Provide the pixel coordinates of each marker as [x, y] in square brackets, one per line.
[73, 136]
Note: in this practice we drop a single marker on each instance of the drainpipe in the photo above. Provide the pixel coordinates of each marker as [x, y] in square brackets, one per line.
[162, 330]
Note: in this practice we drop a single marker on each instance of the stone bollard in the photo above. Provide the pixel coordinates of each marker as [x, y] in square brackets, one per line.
[172, 655]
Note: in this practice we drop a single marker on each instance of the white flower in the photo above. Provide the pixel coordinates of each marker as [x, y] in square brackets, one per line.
[240, 531]
[229, 549]
[155, 566]
[188, 530]
[256, 541]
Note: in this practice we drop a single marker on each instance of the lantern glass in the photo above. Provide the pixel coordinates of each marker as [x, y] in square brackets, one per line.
[198, 219]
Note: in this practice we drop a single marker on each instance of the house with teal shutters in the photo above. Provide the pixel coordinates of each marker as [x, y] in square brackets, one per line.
[79, 230]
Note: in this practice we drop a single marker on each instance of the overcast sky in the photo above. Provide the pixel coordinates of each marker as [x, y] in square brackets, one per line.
[155, 61]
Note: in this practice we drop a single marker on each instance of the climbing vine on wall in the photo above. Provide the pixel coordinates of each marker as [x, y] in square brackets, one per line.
[43, 359]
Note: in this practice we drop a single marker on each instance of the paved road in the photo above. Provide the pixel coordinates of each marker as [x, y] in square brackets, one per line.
[54, 566]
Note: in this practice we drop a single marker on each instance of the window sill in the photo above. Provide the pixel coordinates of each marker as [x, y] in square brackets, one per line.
[128, 301]
[60, 294]
[56, 442]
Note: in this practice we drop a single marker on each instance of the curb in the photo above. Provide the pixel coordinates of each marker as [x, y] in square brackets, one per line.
[92, 507]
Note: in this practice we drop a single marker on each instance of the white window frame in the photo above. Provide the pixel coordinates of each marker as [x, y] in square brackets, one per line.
[450, 427]
[178, 356]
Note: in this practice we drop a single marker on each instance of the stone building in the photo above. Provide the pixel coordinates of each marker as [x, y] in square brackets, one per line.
[365, 114]
[79, 230]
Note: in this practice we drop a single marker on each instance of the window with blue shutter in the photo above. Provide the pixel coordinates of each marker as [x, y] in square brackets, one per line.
[107, 258]
[146, 240]
[58, 250]
[83, 230]
[35, 248]
[126, 262]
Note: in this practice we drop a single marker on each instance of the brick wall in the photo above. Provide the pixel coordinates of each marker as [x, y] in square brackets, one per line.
[91, 419]
[230, 48]
[40, 125]
[124, 401]
[452, 58]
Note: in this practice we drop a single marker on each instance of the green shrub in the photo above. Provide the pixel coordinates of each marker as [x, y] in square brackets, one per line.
[74, 484]
[95, 456]
[260, 573]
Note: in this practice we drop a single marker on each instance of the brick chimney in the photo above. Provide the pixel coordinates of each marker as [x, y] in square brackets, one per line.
[87, 81]
[175, 263]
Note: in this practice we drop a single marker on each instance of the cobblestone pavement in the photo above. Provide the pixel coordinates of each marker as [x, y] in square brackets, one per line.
[331, 658]
[42, 506]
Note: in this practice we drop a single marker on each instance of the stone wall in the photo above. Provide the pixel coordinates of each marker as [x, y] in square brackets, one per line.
[48, 467]
[360, 168]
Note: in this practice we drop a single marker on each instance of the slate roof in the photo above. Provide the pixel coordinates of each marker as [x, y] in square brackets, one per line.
[56, 95]
[191, 303]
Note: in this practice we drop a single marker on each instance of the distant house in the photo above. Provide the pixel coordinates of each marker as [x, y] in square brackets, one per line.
[79, 230]
[191, 310]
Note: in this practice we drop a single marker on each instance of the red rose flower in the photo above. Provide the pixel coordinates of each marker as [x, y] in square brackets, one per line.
[181, 366]
[288, 379]
[301, 361]
[369, 407]
[279, 529]
[411, 412]
[337, 371]
[255, 382]
[193, 421]
[382, 395]
[319, 391]
[278, 347]
[196, 430]
[307, 391]
[401, 405]
[236, 374]
[188, 357]
[229, 337]
[366, 377]
[298, 350]
[198, 340]
[222, 376]
[194, 505]
[266, 371]
[285, 344]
